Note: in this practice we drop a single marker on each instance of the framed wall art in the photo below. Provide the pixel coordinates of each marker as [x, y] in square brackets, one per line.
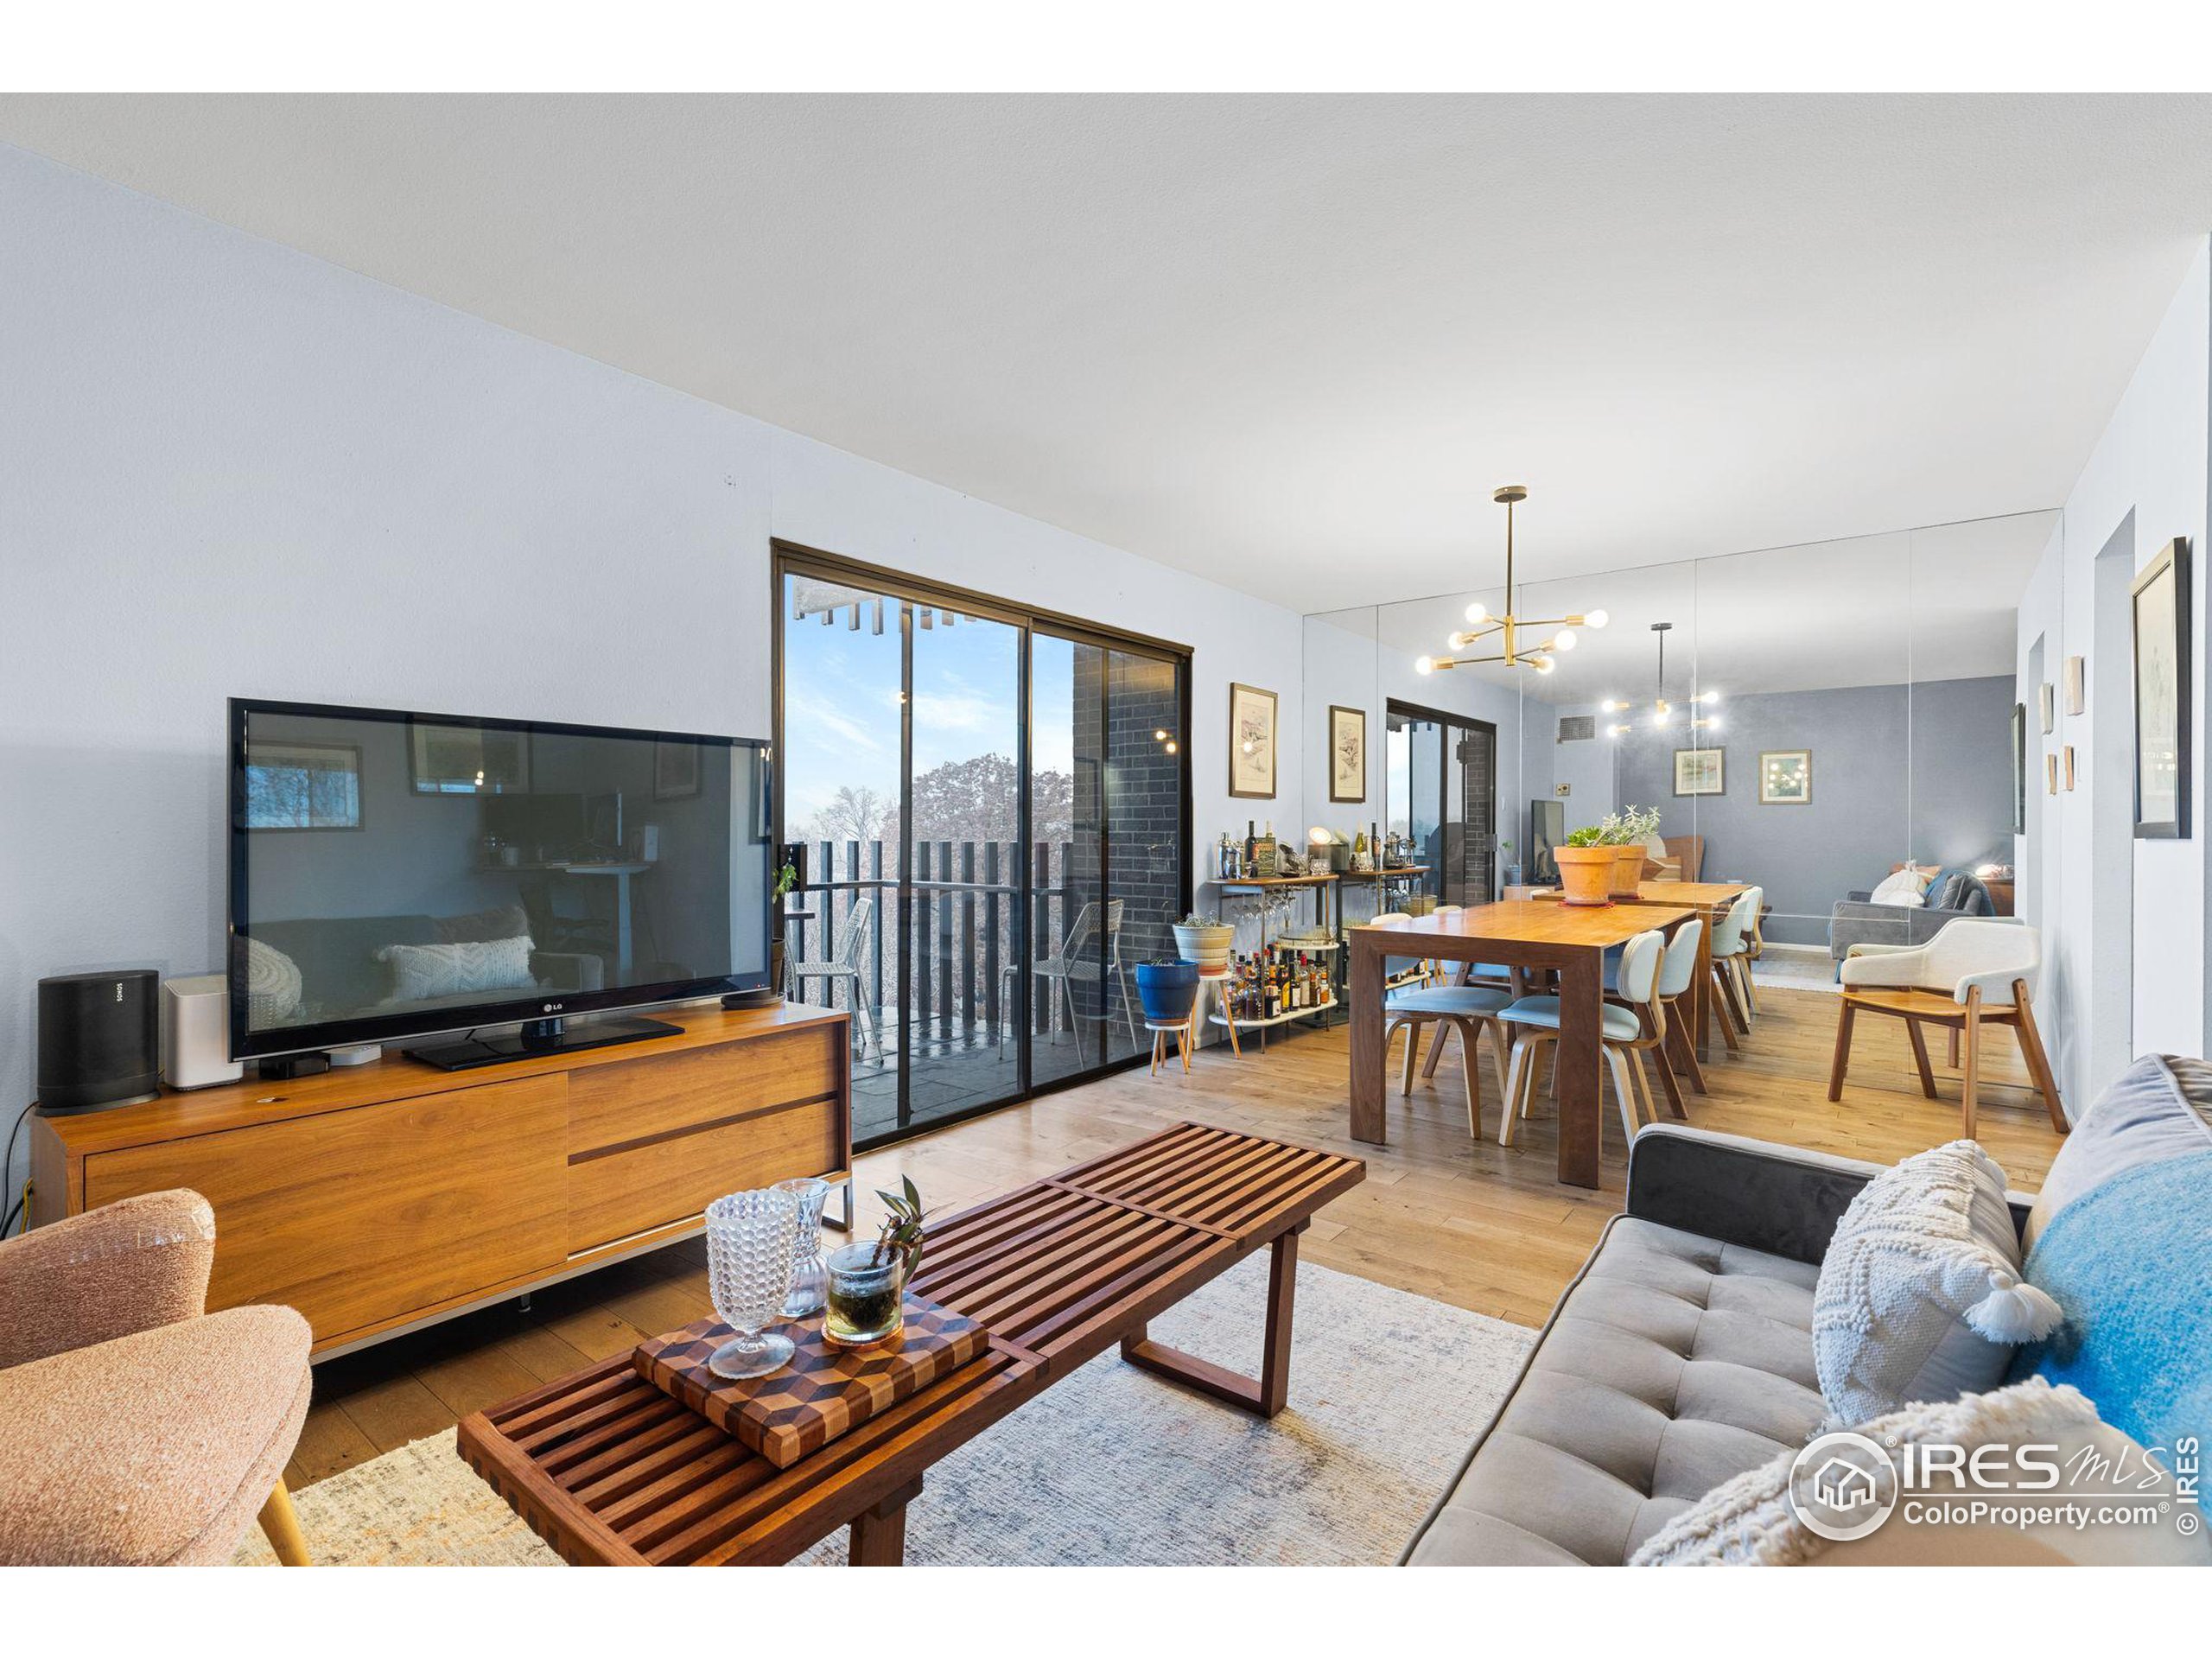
[2159, 620]
[467, 760]
[1786, 778]
[1251, 743]
[1700, 771]
[1347, 753]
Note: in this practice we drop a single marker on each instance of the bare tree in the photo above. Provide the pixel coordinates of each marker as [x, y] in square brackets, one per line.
[852, 815]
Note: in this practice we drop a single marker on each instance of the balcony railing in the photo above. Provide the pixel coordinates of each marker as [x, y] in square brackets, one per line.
[965, 902]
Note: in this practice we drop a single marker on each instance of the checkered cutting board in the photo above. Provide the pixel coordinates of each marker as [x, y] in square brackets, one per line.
[824, 1391]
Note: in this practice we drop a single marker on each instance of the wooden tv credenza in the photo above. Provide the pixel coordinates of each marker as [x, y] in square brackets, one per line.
[377, 1198]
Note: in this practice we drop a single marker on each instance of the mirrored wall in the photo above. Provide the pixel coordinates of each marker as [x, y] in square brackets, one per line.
[1808, 718]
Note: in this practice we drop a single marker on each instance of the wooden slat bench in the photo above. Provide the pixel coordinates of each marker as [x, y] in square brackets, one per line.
[609, 1471]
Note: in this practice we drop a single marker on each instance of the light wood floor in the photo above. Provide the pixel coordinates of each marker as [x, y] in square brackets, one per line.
[1481, 1226]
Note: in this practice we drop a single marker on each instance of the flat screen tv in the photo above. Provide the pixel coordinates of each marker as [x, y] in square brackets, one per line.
[397, 875]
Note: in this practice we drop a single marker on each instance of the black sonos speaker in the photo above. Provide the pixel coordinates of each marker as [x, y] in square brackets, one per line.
[98, 1039]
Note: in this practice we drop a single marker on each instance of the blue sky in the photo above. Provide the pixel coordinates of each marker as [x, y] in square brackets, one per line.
[840, 704]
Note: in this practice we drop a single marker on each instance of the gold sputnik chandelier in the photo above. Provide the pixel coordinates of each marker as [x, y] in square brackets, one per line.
[1557, 632]
[1662, 712]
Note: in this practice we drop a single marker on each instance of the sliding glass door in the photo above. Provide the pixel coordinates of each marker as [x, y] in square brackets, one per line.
[1440, 776]
[1004, 796]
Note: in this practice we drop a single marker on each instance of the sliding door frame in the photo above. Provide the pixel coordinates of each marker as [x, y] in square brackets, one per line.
[1415, 711]
[788, 558]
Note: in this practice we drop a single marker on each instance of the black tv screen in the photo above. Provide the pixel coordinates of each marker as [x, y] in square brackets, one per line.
[396, 874]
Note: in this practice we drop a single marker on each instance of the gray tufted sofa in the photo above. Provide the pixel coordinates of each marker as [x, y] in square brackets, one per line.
[1681, 1356]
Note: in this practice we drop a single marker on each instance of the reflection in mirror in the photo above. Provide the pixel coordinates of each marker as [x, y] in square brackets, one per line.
[1806, 719]
[1968, 584]
[1813, 661]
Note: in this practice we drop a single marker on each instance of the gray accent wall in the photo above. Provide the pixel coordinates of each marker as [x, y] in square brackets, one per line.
[1923, 770]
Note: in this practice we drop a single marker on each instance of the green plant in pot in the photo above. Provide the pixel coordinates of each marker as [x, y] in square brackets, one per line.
[787, 879]
[1628, 833]
[1204, 940]
[1586, 863]
[866, 1289]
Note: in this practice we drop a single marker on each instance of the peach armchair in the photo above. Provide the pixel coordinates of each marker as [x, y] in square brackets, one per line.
[141, 1430]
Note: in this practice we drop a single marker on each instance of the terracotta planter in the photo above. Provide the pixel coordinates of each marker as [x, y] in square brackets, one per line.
[1586, 873]
[1628, 870]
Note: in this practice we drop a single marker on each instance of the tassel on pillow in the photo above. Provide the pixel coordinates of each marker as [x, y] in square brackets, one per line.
[2015, 1312]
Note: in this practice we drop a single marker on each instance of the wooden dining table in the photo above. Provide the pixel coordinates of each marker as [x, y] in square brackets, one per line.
[1524, 936]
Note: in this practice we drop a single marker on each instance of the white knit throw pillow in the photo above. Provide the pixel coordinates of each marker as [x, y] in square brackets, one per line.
[1920, 1296]
[421, 973]
[1750, 1521]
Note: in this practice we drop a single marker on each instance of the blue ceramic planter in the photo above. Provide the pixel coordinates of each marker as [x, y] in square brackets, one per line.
[1166, 990]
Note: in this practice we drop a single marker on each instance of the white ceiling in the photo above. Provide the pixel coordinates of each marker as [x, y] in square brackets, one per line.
[1935, 604]
[1291, 342]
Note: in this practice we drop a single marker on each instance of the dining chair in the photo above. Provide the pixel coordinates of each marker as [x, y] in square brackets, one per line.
[1074, 964]
[1754, 948]
[1677, 978]
[1623, 1024]
[1955, 981]
[1468, 1010]
[844, 962]
[1730, 943]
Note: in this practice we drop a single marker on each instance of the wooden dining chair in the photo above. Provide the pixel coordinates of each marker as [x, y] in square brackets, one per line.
[1731, 975]
[1635, 1010]
[1469, 1011]
[1977, 971]
[1677, 979]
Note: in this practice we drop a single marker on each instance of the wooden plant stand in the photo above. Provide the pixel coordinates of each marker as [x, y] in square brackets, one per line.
[609, 1471]
[1177, 1029]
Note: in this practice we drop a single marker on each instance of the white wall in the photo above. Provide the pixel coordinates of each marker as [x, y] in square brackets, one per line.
[2133, 983]
[233, 470]
[1587, 767]
[1343, 665]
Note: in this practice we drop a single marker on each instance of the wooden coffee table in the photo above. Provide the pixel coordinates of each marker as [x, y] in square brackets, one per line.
[609, 1471]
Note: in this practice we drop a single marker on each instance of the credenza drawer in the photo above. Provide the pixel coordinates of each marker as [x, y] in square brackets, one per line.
[656, 1095]
[629, 1189]
[365, 1216]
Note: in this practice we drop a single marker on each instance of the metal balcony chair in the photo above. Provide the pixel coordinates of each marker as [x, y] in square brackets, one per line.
[844, 962]
[1074, 963]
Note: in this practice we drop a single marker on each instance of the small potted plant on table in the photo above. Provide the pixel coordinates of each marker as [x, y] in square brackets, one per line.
[866, 1294]
[1629, 832]
[1585, 867]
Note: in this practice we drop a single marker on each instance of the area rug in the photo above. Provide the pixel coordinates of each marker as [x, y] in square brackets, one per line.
[1112, 1466]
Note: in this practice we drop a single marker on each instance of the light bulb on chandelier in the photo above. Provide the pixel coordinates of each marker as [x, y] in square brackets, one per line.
[1505, 626]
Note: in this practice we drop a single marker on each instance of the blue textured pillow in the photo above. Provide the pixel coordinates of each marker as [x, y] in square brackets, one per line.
[2121, 1236]
[2131, 1263]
